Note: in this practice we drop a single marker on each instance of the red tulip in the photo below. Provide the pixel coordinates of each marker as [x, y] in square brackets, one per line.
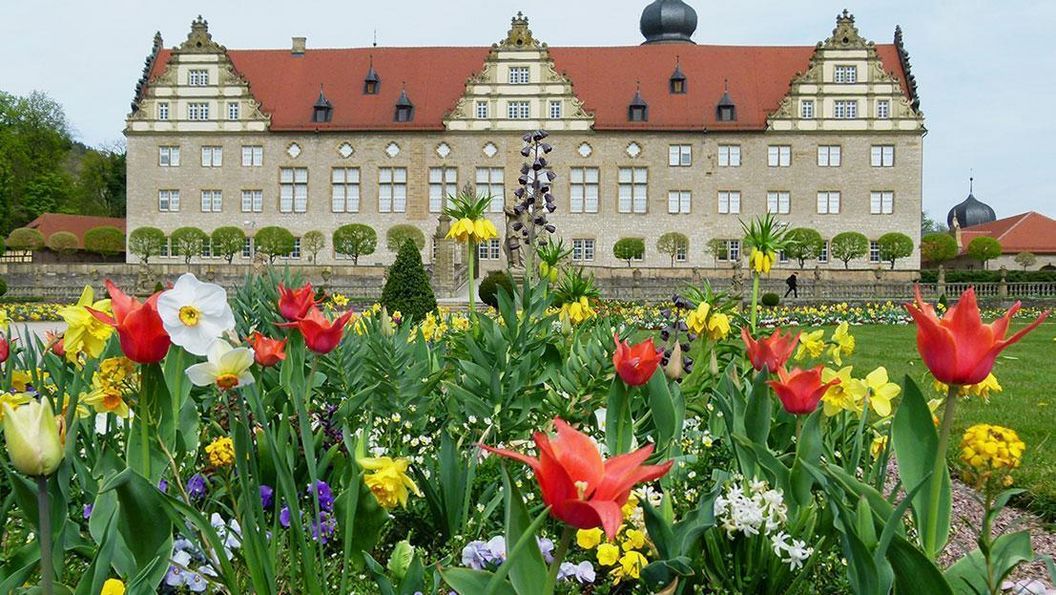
[958, 348]
[56, 342]
[800, 391]
[635, 364]
[267, 352]
[139, 328]
[769, 352]
[295, 303]
[320, 335]
[581, 488]
[5, 349]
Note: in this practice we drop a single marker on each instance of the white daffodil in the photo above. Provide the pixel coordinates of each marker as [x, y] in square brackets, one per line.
[195, 314]
[227, 367]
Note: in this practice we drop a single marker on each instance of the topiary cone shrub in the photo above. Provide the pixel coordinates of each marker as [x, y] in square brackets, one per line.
[407, 289]
[489, 287]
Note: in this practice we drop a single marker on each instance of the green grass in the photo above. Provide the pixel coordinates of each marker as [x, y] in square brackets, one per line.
[1027, 404]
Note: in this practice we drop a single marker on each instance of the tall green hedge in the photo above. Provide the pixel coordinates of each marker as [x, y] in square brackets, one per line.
[407, 288]
[979, 276]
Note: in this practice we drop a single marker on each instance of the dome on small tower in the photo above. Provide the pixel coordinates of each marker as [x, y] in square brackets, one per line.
[668, 21]
[970, 212]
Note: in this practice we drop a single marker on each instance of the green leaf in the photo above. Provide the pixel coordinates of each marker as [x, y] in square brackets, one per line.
[758, 411]
[1006, 552]
[663, 409]
[808, 451]
[916, 448]
[414, 581]
[525, 563]
[147, 534]
[473, 582]
[619, 427]
[914, 572]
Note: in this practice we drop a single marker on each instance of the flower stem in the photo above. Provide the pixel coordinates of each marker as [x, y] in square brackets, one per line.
[755, 300]
[559, 557]
[47, 569]
[984, 538]
[937, 472]
[470, 245]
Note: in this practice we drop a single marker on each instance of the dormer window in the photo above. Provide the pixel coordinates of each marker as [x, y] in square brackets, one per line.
[638, 111]
[726, 110]
[846, 74]
[322, 111]
[404, 108]
[198, 78]
[372, 82]
[678, 81]
[519, 75]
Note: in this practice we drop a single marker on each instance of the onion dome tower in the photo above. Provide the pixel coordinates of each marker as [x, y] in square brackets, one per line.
[970, 212]
[668, 21]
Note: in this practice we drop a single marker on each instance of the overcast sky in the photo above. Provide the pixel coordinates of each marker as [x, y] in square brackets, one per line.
[984, 67]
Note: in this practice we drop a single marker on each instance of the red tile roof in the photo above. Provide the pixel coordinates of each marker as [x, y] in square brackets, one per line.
[49, 223]
[1026, 232]
[287, 85]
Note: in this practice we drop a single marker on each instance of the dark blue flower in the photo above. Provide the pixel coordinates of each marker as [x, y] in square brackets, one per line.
[196, 486]
[266, 493]
[284, 517]
[326, 495]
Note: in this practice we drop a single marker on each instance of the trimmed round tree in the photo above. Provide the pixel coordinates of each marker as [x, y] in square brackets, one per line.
[629, 249]
[407, 288]
[803, 244]
[355, 240]
[398, 234]
[146, 242]
[104, 241]
[228, 241]
[25, 239]
[312, 243]
[847, 246]
[63, 243]
[670, 243]
[1026, 260]
[894, 245]
[188, 242]
[274, 241]
[938, 247]
[984, 249]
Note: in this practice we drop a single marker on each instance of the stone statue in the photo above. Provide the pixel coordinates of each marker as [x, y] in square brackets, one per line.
[737, 280]
[512, 244]
[817, 274]
[146, 279]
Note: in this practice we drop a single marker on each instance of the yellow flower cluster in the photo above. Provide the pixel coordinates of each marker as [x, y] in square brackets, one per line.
[389, 481]
[339, 300]
[625, 556]
[983, 389]
[762, 262]
[716, 326]
[221, 452]
[813, 344]
[32, 312]
[435, 326]
[115, 378]
[466, 230]
[851, 394]
[989, 453]
[578, 311]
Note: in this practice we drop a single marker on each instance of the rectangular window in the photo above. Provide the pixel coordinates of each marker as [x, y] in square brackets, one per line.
[489, 250]
[517, 110]
[806, 109]
[730, 202]
[729, 155]
[392, 189]
[874, 251]
[296, 252]
[881, 203]
[198, 111]
[823, 255]
[680, 155]
[168, 201]
[482, 110]
[883, 109]
[293, 189]
[490, 183]
[778, 202]
[169, 156]
[212, 201]
[846, 74]
[845, 109]
[582, 250]
[518, 75]
[198, 78]
[207, 248]
[252, 156]
[779, 155]
[583, 190]
[681, 252]
[882, 156]
[232, 111]
[731, 250]
[633, 189]
[678, 201]
[828, 203]
[443, 185]
[247, 248]
[252, 201]
[163, 110]
[828, 155]
[166, 247]
[555, 110]
[344, 190]
[212, 156]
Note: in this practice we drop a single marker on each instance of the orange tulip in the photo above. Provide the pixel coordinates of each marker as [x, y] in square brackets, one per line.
[266, 351]
[800, 391]
[770, 352]
[320, 335]
[635, 363]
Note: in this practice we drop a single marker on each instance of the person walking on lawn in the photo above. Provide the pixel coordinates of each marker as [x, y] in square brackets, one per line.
[792, 286]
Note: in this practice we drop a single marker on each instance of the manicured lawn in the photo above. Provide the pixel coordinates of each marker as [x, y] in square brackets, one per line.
[1026, 371]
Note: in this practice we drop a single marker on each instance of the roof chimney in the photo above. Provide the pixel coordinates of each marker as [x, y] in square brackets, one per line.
[299, 44]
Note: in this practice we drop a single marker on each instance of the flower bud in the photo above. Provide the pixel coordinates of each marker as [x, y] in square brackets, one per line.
[674, 368]
[400, 560]
[32, 435]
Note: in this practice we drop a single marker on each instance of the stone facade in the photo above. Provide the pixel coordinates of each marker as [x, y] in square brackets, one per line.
[475, 146]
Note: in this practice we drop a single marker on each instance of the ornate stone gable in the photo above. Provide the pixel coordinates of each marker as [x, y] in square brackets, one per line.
[518, 88]
[845, 87]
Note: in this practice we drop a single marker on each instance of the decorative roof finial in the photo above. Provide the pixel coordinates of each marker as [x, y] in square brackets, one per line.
[375, 37]
[519, 35]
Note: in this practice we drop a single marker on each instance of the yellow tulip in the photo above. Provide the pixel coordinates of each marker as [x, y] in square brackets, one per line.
[32, 435]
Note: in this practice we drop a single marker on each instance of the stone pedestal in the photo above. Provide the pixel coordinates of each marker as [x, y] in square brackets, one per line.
[445, 259]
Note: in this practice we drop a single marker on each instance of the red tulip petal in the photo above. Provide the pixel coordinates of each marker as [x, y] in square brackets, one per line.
[588, 515]
[578, 454]
[502, 452]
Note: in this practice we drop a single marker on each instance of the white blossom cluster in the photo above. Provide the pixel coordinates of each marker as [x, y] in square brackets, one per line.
[759, 510]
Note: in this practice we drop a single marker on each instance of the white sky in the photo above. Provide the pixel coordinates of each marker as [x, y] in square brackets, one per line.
[985, 68]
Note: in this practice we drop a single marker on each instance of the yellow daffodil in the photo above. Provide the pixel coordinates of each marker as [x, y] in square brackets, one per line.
[811, 344]
[221, 452]
[117, 372]
[843, 343]
[82, 411]
[589, 539]
[881, 392]
[878, 445]
[983, 389]
[34, 443]
[3, 319]
[339, 300]
[84, 332]
[697, 321]
[633, 539]
[107, 400]
[608, 554]
[389, 481]
[847, 395]
[13, 400]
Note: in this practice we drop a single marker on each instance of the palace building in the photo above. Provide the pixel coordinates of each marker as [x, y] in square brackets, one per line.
[666, 136]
